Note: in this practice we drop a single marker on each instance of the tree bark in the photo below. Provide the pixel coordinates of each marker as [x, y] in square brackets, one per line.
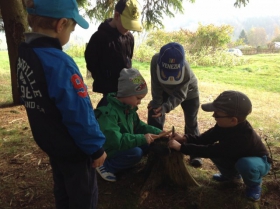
[15, 24]
[165, 165]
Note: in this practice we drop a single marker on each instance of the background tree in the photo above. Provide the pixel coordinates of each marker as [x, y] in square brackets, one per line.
[156, 39]
[276, 34]
[15, 24]
[243, 37]
[239, 3]
[276, 39]
[1, 26]
[152, 10]
[257, 37]
[204, 37]
[211, 36]
[1, 22]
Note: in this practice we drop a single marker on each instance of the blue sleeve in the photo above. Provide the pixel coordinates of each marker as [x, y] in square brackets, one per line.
[67, 89]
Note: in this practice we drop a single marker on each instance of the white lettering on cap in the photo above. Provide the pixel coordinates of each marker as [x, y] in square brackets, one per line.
[171, 66]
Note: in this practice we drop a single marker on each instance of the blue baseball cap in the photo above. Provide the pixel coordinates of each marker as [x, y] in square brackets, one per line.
[171, 64]
[58, 9]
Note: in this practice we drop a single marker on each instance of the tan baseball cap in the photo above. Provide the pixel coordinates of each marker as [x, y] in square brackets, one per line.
[130, 14]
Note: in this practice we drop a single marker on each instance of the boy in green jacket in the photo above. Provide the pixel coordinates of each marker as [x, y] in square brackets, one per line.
[127, 137]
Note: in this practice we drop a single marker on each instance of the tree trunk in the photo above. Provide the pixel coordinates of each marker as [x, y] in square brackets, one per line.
[165, 165]
[15, 24]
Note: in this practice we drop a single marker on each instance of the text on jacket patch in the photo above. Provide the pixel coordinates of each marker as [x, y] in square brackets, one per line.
[27, 89]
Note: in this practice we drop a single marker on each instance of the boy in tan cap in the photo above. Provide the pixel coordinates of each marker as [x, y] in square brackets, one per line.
[110, 49]
[232, 144]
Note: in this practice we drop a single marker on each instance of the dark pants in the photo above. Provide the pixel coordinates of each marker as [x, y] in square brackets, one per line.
[75, 184]
[190, 109]
[125, 159]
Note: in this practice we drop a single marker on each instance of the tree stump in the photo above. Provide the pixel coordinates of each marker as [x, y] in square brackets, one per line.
[163, 164]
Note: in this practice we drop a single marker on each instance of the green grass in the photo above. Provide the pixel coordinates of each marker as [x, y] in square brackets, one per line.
[5, 79]
[261, 72]
[5, 64]
[257, 78]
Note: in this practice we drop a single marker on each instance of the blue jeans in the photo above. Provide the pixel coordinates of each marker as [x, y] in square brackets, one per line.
[190, 109]
[125, 159]
[252, 169]
[75, 184]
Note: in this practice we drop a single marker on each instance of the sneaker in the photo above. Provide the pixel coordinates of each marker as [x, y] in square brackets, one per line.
[221, 178]
[196, 162]
[106, 175]
[254, 192]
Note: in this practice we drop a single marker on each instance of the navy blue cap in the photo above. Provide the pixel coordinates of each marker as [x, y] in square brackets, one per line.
[171, 64]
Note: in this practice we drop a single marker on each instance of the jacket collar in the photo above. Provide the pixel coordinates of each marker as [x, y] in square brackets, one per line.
[41, 40]
[112, 98]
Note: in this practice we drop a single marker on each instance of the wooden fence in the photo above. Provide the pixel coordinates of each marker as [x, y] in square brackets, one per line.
[251, 51]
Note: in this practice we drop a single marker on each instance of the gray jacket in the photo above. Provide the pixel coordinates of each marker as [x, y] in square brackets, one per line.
[186, 90]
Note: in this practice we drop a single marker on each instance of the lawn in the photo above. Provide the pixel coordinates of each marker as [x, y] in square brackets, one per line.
[25, 175]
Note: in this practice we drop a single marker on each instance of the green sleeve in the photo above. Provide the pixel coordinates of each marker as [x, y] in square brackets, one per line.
[141, 127]
[115, 140]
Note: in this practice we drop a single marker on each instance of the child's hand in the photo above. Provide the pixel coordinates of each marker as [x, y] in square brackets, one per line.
[157, 112]
[149, 138]
[149, 107]
[99, 162]
[154, 136]
[174, 144]
[178, 138]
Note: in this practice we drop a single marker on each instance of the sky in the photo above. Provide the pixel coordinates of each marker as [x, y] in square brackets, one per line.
[209, 11]
[206, 12]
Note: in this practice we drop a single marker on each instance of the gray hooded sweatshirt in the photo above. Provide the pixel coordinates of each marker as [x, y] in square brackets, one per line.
[178, 93]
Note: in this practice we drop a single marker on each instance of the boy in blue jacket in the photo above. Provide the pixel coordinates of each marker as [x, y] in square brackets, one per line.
[232, 144]
[58, 106]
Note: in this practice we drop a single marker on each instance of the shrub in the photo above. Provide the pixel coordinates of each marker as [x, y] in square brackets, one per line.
[210, 57]
[144, 53]
[74, 50]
